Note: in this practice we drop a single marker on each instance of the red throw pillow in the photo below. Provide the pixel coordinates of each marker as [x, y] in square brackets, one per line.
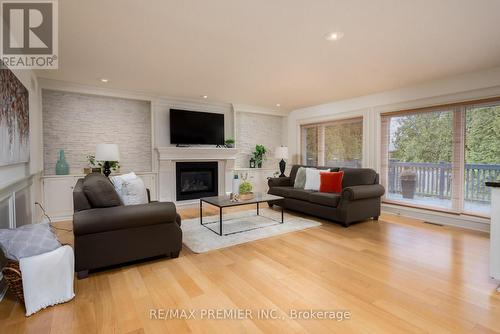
[331, 182]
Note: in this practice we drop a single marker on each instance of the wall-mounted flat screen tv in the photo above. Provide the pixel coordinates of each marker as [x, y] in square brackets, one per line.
[196, 128]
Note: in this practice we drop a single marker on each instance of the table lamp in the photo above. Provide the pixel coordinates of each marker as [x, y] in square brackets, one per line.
[107, 153]
[281, 153]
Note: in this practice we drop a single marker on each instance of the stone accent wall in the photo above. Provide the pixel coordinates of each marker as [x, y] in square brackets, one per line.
[78, 122]
[252, 129]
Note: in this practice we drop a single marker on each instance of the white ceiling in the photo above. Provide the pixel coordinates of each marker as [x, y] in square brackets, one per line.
[263, 52]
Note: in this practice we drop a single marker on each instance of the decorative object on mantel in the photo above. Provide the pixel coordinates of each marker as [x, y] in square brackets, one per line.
[281, 153]
[62, 167]
[259, 155]
[108, 155]
[252, 162]
[229, 143]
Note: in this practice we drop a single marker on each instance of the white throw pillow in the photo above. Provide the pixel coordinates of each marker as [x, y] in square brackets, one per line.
[130, 188]
[313, 178]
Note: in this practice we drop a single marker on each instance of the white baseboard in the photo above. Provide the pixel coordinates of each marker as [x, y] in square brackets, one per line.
[462, 221]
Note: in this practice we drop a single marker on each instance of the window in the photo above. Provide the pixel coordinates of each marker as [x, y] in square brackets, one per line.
[310, 145]
[482, 155]
[338, 143]
[441, 157]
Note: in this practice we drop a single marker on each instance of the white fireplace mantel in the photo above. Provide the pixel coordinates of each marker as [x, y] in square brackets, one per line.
[196, 153]
[168, 156]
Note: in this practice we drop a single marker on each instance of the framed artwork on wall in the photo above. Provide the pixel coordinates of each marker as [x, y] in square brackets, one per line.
[14, 119]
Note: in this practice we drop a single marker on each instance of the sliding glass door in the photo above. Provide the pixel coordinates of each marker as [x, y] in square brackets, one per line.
[419, 158]
[482, 156]
[337, 143]
[441, 157]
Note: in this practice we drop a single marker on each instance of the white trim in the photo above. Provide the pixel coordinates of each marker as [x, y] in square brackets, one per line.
[258, 110]
[461, 221]
[163, 101]
[72, 87]
[196, 153]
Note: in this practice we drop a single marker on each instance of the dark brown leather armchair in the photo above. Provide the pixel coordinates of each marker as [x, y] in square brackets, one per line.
[106, 236]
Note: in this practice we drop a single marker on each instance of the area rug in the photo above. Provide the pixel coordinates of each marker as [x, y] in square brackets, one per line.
[200, 239]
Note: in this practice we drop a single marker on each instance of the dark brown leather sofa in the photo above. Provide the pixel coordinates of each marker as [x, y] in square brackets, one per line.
[360, 197]
[117, 234]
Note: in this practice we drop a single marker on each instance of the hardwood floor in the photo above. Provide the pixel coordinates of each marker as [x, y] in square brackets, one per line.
[397, 275]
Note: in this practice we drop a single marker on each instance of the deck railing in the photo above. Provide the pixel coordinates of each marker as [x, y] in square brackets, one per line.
[434, 179]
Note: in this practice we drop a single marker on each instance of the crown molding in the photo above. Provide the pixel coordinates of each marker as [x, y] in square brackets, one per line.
[170, 100]
[158, 100]
[73, 87]
[258, 110]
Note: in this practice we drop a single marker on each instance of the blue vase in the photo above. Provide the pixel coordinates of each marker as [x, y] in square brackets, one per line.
[62, 167]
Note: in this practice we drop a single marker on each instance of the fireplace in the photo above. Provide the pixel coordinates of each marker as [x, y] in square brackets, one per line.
[196, 180]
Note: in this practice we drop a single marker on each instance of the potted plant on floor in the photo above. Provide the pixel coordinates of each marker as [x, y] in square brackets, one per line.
[259, 155]
[408, 183]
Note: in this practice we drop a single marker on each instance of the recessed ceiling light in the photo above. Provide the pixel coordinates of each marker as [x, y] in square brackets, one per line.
[334, 36]
[104, 80]
[205, 96]
[278, 105]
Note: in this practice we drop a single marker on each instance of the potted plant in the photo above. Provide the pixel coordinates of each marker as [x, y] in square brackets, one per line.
[408, 183]
[246, 190]
[94, 164]
[259, 155]
[229, 143]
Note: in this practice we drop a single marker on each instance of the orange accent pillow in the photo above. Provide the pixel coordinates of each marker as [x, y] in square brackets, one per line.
[331, 182]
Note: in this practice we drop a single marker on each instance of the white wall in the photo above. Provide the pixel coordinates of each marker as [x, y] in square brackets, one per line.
[471, 86]
[16, 177]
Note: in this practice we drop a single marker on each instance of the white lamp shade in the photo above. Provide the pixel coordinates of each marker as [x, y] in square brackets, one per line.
[107, 152]
[281, 152]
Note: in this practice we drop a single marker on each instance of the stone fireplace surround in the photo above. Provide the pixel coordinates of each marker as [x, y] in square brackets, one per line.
[168, 156]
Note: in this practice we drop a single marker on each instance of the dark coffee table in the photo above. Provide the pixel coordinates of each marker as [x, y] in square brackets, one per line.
[224, 202]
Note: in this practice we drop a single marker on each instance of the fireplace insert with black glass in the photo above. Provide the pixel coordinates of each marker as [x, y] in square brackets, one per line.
[196, 180]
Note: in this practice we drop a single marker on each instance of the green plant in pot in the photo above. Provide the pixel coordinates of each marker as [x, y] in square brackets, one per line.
[259, 155]
[246, 190]
[229, 143]
[245, 187]
[114, 165]
[408, 183]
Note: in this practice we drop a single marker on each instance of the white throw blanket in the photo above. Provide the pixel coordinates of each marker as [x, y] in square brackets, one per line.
[48, 279]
